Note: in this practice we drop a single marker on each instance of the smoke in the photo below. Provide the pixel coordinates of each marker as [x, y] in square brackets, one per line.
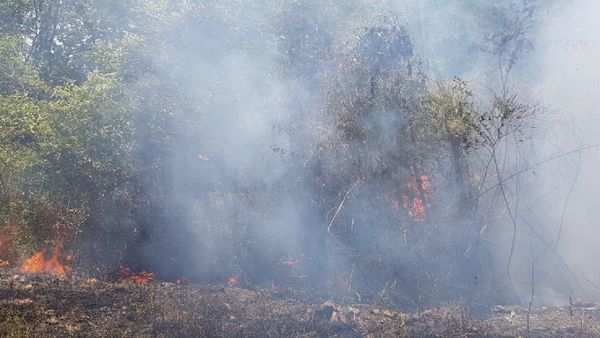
[245, 187]
[225, 153]
[239, 90]
[565, 83]
[555, 201]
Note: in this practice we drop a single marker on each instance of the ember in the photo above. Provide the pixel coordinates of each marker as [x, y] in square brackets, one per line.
[40, 263]
[414, 202]
[182, 281]
[426, 186]
[233, 280]
[291, 262]
[142, 278]
[125, 274]
[415, 208]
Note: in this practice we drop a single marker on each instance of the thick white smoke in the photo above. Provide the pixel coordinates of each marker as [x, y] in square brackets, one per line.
[568, 85]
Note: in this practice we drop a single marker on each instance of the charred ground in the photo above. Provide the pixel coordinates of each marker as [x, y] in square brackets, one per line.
[42, 305]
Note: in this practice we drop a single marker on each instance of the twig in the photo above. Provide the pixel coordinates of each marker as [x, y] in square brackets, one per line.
[532, 286]
[485, 173]
[511, 176]
[589, 281]
[339, 208]
[551, 248]
[510, 213]
[567, 198]
[385, 288]
[303, 168]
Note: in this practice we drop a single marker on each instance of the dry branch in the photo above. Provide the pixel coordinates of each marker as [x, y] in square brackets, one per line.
[339, 208]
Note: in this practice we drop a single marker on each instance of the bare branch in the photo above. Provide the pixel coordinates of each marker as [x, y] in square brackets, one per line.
[537, 164]
[339, 208]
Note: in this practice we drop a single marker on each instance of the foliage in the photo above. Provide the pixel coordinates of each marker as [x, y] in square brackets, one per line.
[60, 145]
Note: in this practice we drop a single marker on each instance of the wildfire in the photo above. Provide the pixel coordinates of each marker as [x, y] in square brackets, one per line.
[233, 280]
[41, 263]
[4, 263]
[125, 274]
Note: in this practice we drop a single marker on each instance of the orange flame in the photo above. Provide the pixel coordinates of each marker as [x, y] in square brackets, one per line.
[414, 202]
[125, 274]
[233, 280]
[39, 263]
[142, 278]
[416, 209]
[425, 186]
[4, 263]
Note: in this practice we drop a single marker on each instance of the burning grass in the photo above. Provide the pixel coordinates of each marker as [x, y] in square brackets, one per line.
[415, 202]
[126, 274]
[46, 261]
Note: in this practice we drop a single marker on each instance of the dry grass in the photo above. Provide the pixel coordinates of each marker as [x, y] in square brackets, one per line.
[50, 307]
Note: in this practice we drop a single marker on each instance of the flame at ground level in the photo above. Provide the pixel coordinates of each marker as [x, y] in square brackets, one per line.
[419, 192]
[39, 263]
[125, 274]
[233, 280]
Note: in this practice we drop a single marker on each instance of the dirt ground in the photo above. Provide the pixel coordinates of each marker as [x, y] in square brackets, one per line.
[46, 306]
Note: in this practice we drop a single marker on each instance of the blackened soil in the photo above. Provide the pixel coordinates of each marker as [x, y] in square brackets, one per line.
[46, 306]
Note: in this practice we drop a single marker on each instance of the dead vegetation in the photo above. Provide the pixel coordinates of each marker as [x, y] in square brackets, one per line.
[42, 305]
